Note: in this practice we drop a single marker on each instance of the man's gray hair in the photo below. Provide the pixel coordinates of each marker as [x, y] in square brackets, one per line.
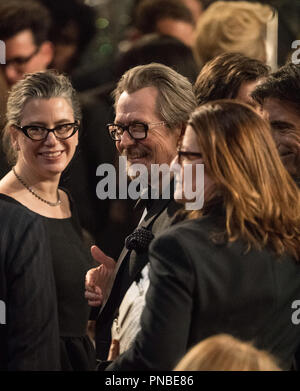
[176, 99]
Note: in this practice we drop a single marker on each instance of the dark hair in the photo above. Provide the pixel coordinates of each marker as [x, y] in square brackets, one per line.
[223, 76]
[162, 49]
[283, 84]
[68, 13]
[149, 12]
[20, 15]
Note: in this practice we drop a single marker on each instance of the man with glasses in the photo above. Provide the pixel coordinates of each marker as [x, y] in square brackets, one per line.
[152, 104]
[279, 99]
[24, 27]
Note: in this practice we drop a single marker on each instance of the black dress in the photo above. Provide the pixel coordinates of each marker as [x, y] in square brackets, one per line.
[71, 260]
[29, 337]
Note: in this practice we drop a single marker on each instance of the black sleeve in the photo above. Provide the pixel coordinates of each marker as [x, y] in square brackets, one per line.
[165, 321]
[32, 325]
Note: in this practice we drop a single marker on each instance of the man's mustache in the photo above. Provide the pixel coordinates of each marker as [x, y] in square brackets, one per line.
[134, 153]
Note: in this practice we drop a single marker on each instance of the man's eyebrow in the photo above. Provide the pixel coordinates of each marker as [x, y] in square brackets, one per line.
[282, 125]
[131, 122]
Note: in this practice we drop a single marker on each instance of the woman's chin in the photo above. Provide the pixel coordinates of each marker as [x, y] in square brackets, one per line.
[54, 169]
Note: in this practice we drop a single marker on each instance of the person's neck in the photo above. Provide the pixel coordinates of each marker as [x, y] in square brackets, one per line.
[44, 186]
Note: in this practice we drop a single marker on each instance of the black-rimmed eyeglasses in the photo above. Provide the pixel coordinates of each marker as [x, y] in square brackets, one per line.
[38, 133]
[136, 130]
[21, 61]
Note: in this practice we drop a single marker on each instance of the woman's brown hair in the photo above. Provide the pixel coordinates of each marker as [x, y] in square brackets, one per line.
[261, 200]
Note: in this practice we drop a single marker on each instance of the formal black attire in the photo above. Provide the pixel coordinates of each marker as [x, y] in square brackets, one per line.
[160, 214]
[70, 261]
[29, 338]
[199, 288]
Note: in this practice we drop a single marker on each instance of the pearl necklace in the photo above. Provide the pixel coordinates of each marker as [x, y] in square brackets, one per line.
[58, 202]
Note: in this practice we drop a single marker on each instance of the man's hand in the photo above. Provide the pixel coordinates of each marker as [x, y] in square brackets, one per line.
[98, 281]
[114, 350]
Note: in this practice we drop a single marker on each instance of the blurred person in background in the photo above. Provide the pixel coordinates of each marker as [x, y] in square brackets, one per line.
[229, 26]
[167, 17]
[163, 49]
[196, 7]
[288, 24]
[279, 98]
[24, 27]
[225, 353]
[72, 30]
[230, 76]
[41, 136]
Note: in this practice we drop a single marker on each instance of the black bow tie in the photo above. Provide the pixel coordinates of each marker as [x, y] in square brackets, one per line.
[139, 240]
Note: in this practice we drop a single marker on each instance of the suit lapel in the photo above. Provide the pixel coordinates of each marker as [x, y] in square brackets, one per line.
[136, 262]
[155, 210]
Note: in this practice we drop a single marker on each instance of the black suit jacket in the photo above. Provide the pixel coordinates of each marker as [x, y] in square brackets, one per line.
[199, 289]
[29, 338]
[159, 217]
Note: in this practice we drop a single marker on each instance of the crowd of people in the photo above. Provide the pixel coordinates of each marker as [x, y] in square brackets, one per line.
[149, 284]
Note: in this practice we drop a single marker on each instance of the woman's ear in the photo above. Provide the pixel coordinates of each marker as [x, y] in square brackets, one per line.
[14, 138]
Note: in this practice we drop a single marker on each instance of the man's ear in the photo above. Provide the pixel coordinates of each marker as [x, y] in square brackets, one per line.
[180, 132]
[47, 52]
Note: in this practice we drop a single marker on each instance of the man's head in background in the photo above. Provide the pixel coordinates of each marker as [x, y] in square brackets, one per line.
[196, 7]
[24, 27]
[166, 17]
[72, 30]
[279, 98]
[230, 76]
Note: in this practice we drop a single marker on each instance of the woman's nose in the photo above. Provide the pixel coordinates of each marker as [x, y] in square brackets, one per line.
[51, 139]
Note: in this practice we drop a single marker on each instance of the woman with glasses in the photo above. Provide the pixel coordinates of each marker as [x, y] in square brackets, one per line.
[233, 266]
[41, 136]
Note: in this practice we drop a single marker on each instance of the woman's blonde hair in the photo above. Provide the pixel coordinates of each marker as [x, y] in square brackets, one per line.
[40, 85]
[238, 27]
[261, 200]
[225, 353]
